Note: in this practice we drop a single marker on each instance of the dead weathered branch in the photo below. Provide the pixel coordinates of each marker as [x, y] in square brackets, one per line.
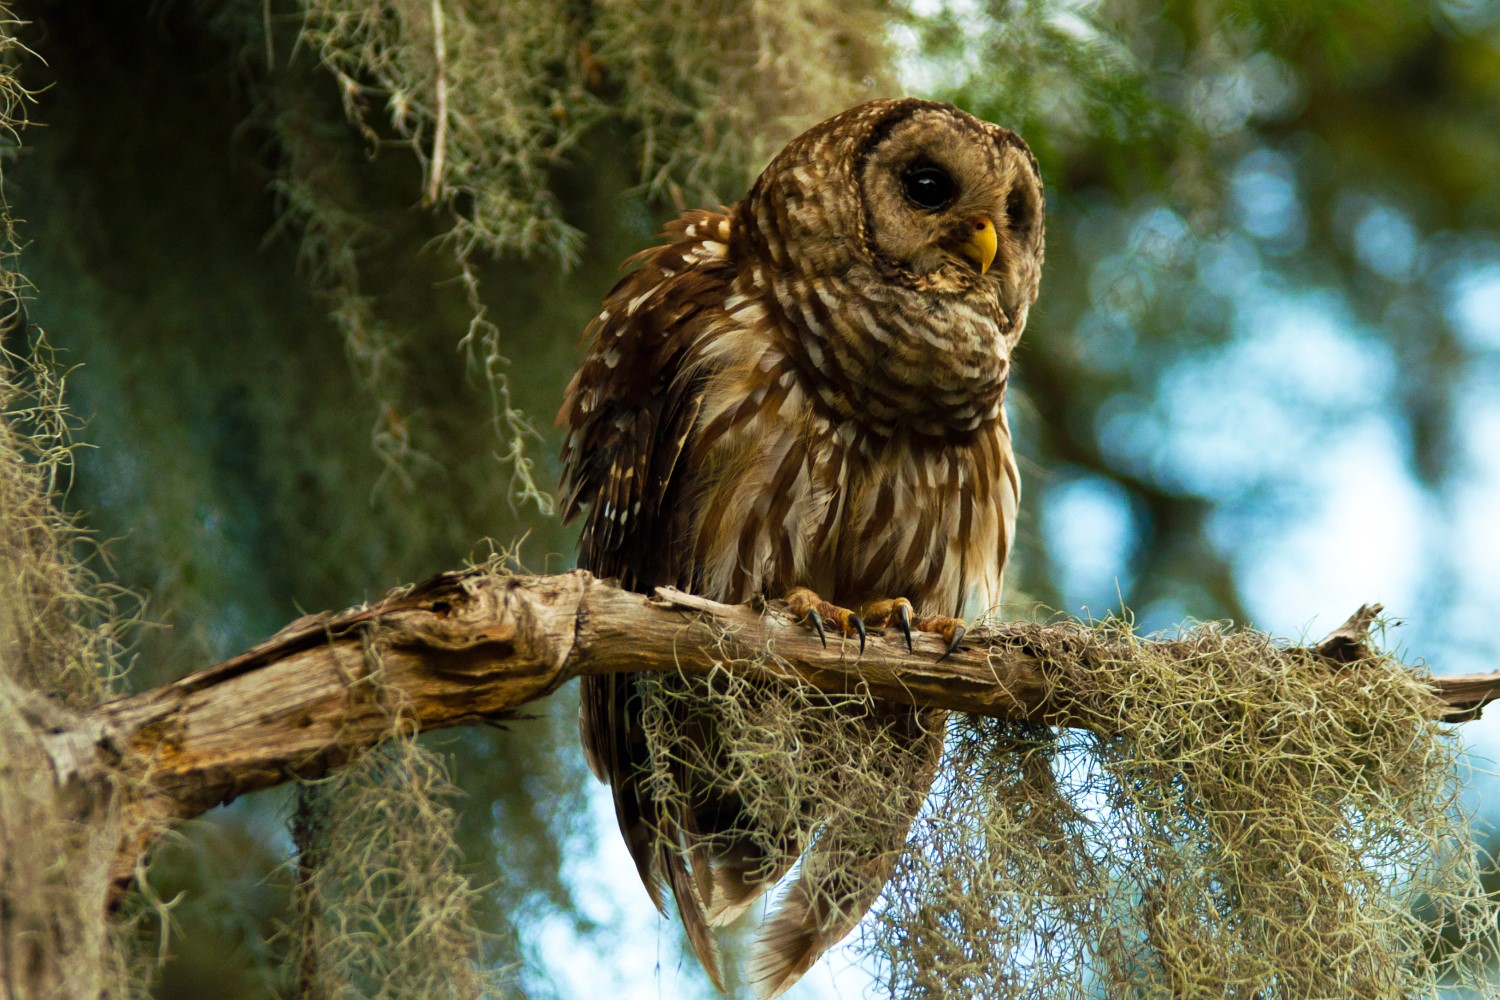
[472, 646]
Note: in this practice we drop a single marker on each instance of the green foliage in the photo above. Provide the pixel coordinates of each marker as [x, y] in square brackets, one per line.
[1063, 78]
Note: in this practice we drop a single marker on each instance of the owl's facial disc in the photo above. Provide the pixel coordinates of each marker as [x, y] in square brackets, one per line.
[938, 191]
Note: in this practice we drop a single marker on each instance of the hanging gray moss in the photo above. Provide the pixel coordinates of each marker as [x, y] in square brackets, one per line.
[383, 908]
[1254, 824]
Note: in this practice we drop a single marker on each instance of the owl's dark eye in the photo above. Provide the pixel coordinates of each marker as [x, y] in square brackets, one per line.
[928, 187]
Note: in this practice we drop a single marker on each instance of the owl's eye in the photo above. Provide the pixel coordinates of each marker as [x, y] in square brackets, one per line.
[927, 187]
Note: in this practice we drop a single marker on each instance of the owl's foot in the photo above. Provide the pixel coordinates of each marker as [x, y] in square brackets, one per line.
[898, 611]
[951, 629]
[808, 607]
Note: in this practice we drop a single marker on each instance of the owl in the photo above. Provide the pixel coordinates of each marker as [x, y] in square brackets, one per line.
[800, 397]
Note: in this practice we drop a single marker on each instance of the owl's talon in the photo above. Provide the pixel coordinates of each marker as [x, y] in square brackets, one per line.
[816, 620]
[903, 622]
[958, 637]
[810, 609]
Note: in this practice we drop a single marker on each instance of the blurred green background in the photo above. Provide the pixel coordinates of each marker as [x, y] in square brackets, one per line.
[1262, 382]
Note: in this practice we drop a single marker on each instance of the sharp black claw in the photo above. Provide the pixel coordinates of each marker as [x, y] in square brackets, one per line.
[817, 624]
[903, 622]
[958, 637]
[859, 626]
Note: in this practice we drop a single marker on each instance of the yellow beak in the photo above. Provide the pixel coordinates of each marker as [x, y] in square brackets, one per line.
[981, 245]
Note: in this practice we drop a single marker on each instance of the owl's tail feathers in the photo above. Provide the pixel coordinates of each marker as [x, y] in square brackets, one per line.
[690, 910]
[825, 903]
[738, 872]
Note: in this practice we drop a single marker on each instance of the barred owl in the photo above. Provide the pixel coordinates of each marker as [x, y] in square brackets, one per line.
[801, 397]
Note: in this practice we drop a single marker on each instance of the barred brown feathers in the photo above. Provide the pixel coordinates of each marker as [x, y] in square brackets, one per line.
[806, 392]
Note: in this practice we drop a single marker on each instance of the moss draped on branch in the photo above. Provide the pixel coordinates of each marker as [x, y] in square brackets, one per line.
[475, 646]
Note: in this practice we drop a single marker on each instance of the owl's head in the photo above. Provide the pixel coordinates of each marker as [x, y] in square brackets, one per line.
[910, 194]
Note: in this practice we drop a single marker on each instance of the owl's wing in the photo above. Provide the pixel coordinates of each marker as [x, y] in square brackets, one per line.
[630, 409]
[629, 414]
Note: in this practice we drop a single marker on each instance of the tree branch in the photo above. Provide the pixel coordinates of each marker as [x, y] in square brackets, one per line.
[472, 646]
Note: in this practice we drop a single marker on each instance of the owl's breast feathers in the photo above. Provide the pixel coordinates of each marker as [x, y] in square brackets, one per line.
[725, 437]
